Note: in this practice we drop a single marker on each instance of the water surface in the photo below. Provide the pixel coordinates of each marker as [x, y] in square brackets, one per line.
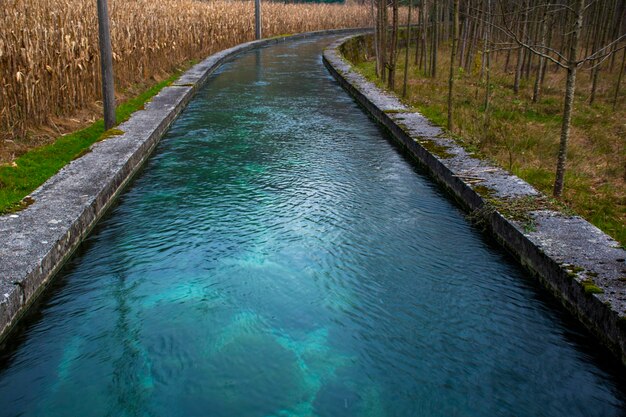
[279, 257]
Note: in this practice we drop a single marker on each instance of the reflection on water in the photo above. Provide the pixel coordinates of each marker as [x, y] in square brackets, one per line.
[278, 257]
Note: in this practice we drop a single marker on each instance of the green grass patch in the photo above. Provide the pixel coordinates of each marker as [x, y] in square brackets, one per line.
[34, 167]
[368, 70]
[434, 113]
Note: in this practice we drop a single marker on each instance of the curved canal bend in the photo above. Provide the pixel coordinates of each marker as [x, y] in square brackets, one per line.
[278, 257]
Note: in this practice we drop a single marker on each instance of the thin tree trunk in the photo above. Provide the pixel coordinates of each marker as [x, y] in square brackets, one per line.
[591, 38]
[393, 54]
[406, 52]
[542, 60]
[469, 61]
[532, 34]
[520, 53]
[444, 34]
[603, 34]
[383, 39]
[594, 40]
[619, 80]
[507, 61]
[418, 37]
[376, 36]
[621, 12]
[570, 90]
[483, 57]
[424, 55]
[461, 53]
[435, 40]
[488, 58]
[455, 41]
[548, 44]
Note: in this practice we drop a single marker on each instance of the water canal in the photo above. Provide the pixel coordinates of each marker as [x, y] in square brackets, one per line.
[279, 257]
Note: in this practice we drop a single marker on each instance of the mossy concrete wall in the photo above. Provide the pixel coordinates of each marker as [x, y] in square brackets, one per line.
[577, 262]
[35, 242]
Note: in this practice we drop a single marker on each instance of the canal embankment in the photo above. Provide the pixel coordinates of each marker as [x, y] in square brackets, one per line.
[579, 264]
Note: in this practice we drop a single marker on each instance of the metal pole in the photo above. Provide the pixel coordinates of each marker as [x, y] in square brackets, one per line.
[257, 19]
[106, 65]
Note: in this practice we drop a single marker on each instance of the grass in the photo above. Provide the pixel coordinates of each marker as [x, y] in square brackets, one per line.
[29, 171]
[523, 136]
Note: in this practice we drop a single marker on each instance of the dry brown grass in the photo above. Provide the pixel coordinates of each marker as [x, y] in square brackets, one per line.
[49, 62]
[523, 136]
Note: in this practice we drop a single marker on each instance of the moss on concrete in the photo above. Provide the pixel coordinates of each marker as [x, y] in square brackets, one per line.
[110, 133]
[436, 149]
[484, 191]
[590, 287]
[17, 206]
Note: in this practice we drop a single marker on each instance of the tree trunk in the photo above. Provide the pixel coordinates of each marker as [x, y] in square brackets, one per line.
[463, 45]
[619, 80]
[542, 60]
[383, 39]
[444, 35]
[520, 53]
[406, 52]
[570, 90]
[488, 58]
[376, 36]
[533, 31]
[435, 40]
[418, 37]
[483, 56]
[469, 61]
[507, 61]
[424, 54]
[620, 14]
[391, 82]
[455, 41]
[602, 34]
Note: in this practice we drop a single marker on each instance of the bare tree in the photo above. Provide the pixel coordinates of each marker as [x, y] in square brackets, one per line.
[542, 59]
[382, 38]
[619, 80]
[435, 40]
[487, 48]
[570, 90]
[455, 41]
[376, 37]
[393, 53]
[406, 50]
[520, 51]
[570, 61]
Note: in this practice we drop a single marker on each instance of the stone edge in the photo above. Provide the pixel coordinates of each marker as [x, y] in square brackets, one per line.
[564, 252]
[37, 241]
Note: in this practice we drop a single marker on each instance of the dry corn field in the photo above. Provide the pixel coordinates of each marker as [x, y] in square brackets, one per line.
[49, 58]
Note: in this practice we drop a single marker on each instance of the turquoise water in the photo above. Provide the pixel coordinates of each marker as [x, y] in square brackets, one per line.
[278, 257]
